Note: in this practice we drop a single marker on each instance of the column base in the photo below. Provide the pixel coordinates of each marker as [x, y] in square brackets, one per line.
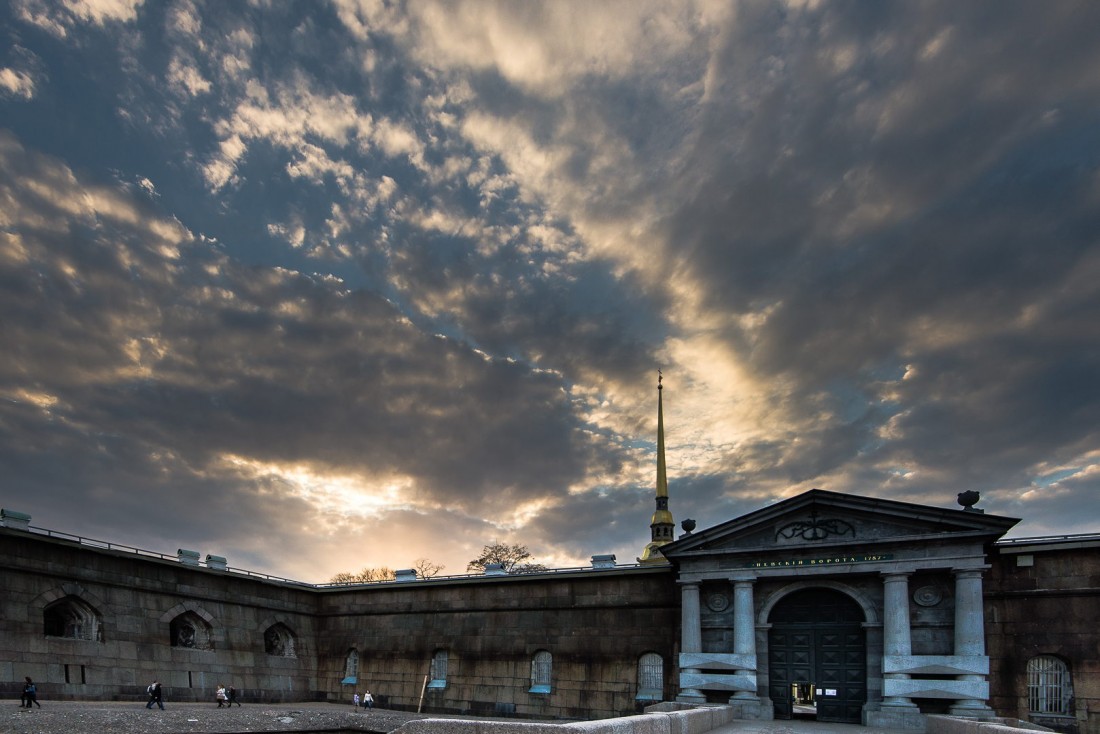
[690, 696]
[972, 710]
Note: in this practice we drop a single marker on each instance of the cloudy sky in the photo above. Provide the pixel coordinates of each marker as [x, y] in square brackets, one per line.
[325, 285]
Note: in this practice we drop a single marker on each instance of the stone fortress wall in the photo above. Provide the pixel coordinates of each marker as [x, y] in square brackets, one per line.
[595, 625]
[281, 641]
[1043, 600]
[114, 625]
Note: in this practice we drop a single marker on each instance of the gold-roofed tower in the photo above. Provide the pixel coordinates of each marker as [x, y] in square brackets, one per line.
[661, 527]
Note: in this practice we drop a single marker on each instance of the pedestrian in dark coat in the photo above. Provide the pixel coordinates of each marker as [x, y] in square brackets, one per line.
[30, 693]
[156, 695]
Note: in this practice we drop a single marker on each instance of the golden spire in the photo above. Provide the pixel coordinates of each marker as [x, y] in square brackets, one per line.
[661, 526]
[662, 477]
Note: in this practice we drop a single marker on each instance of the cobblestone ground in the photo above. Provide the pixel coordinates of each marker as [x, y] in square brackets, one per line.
[77, 717]
[801, 726]
[98, 717]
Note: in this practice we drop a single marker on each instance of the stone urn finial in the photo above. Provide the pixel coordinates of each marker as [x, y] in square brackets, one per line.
[968, 499]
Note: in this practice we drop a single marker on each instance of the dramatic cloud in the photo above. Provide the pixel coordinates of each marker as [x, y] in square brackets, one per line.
[325, 286]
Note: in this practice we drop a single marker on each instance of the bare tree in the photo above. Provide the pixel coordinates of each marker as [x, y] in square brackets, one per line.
[511, 557]
[425, 569]
[366, 576]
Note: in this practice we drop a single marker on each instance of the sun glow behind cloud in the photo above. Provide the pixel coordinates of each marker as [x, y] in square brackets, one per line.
[347, 495]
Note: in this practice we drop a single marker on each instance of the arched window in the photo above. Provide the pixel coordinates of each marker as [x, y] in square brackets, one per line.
[438, 672]
[191, 630]
[651, 677]
[74, 618]
[541, 667]
[279, 641]
[1049, 689]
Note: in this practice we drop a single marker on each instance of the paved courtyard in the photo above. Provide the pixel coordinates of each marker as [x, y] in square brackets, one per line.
[98, 717]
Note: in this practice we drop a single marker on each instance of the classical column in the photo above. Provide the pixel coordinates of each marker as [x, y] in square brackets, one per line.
[691, 638]
[970, 636]
[895, 629]
[744, 631]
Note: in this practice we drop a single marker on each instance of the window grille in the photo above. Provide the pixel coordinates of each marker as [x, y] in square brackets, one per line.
[541, 667]
[1048, 686]
[351, 665]
[439, 670]
[651, 677]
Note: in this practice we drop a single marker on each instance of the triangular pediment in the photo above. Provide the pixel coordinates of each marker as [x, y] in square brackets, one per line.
[822, 519]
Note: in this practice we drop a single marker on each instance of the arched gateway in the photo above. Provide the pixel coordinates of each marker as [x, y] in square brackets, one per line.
[858, 609]
[817, 656]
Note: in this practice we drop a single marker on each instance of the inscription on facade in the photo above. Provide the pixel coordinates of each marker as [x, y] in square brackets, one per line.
[824, 561]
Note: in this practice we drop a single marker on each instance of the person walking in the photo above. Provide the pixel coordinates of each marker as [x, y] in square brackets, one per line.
[30, 693]
[355, 700]
[156, 695]
[221, 695]
[368, 700]
[231, 697]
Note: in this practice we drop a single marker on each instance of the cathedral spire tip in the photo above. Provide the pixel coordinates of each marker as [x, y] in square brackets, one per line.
[661, 526]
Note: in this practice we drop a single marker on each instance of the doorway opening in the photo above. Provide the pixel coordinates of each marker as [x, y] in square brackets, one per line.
[817, 657]
[803, 703]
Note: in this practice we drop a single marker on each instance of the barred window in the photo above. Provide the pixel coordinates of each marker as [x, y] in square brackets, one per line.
[1048, 686]
[541, 667]
[351, 667]
[439, 670]
[651, 677]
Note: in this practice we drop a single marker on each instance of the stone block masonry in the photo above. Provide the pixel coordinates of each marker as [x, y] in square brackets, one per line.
[139, 617]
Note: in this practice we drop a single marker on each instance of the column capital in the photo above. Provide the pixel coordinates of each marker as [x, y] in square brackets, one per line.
[895, 575]
[689, 584]
[970, 571]
[744, 578]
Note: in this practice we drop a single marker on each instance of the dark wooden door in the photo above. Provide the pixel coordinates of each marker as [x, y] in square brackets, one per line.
[816, 638]
[790, 661]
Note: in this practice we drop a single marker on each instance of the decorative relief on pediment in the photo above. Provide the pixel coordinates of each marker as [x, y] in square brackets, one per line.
[815, 529]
